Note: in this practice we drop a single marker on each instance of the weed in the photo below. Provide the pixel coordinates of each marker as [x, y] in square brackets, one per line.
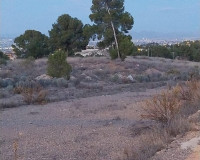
[15, 149]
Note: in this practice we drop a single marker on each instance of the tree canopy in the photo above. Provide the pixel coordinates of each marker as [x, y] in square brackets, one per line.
[31, 44]
[111, 21]
[68, 34]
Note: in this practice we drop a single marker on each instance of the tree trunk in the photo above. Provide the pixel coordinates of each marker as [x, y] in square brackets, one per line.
[114, 33]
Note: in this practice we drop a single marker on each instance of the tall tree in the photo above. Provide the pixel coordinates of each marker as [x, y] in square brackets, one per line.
[110, 19]
[68, 35]
[31, 44]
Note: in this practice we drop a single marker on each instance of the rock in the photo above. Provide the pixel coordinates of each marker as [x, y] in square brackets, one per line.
[83, 75]
[43, 76]
[151, 71]
[88, 78]
[91, 52]
[154, 74]
[72, 78]
[130, 78]
[61, 82]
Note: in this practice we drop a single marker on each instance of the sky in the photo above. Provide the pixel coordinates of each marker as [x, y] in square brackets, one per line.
[151, 17]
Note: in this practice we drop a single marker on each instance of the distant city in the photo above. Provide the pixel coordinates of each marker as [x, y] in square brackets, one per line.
[6, 43]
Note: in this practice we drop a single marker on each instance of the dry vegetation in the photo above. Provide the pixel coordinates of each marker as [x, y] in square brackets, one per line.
[171, 111]
[92, 75]
[164, 116]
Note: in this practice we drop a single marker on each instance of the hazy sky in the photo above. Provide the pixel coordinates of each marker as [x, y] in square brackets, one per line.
[164, 16]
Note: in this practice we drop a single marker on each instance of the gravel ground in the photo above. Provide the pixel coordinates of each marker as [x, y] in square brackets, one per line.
[82, 129]
[87, 128]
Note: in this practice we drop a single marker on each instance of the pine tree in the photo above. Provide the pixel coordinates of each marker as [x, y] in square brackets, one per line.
[67, 35]
[110, 20]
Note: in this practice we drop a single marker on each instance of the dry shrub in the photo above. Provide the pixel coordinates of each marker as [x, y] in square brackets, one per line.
[18, 90]
[189, 92]
[149, 143]
[162, 108]
[178, 125]
[34, 95]
[171, 110]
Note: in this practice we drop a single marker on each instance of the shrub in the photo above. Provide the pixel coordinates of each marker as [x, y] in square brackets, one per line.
[3, 58]
[142, 78]
[3, 61]
[113, 53]
[172, 108]
[28, 62]
[6, 82]
[21, 69]
[189, 92]
[162, 108]
[32, 92]
[178, 125]
[57, 65]
[149, 143]
[61, 82]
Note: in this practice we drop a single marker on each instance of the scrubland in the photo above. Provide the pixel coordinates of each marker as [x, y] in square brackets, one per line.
[137, 109]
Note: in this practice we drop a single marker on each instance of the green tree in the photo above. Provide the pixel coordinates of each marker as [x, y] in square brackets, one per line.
[68, 34]
[3, 58]
[161, 51]
[188, 50]
[126, 47]
[110, 20]
[57, 65]
[31, 44]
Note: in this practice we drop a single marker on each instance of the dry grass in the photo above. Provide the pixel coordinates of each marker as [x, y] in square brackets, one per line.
[32, 95]
[149, 143]
[163, 108]
[15, 149]
[170, 110]
[190, 92]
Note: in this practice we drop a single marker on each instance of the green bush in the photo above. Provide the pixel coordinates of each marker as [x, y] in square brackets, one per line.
[3, 58]
[3, 61]
[113, 53]
[126, 46]
[58, 66]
